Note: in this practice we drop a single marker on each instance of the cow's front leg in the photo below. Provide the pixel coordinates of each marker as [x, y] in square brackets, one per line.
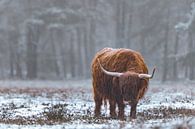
[98, 104]
[112, 108]
[133, 110]
[121, 107]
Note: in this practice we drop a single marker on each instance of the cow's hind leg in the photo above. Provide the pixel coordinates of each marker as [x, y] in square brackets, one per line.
[112, 108]
[98, 104]
[121, 107]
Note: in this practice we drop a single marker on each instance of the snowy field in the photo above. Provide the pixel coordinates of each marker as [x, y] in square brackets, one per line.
[69, 104]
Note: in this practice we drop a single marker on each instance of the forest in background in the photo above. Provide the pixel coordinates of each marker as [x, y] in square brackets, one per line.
[47, 39]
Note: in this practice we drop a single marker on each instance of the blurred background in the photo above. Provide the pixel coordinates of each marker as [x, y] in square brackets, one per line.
[57, 39]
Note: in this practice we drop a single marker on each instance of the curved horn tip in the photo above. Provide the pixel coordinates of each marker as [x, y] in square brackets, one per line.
[154, 69]
[148, 75]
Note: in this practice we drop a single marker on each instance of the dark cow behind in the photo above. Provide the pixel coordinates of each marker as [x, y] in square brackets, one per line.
[119, 76]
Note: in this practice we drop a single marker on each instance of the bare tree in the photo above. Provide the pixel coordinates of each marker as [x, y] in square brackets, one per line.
[190, 56]
[72, 56]
[165, 51]
[120, 23]
[175, 65]
[33, 35]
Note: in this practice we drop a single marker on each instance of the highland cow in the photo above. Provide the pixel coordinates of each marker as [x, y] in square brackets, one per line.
[119, 76]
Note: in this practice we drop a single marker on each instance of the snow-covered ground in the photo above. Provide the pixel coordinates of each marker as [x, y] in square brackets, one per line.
[69, 104]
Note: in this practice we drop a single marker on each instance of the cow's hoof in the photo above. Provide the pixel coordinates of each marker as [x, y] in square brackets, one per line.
[132, 119]
[122, 118]
[113, 116]
[97, 115]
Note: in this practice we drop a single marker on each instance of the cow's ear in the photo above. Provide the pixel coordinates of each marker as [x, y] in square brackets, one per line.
[143, 82]
[143, 79]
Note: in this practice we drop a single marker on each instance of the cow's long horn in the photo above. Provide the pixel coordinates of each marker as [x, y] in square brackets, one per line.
[147, 75]
[115, 74]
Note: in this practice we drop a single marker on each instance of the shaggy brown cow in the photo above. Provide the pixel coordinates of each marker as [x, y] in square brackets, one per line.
[127, 82]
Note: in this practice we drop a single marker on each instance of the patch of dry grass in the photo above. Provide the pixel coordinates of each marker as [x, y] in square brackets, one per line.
[59, 113]
[166, 112]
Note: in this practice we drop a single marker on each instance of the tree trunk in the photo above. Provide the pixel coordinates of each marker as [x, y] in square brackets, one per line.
[91, 33]
[72, 57]
[54, 51]
[85, 43]
[59, 48]
[143, 44]
[18, 66]
[31, 59]
[87, 47]
[186, 71]
[120, 23]
[143, 32]
[123, 23]
[13, 41]
[79, 42]
[64, 62]
[165, 55]
[33, 34]
[130, 21]
[175, 72]
[165, 62]
[11, 60]
[63, 52]
[190, 57]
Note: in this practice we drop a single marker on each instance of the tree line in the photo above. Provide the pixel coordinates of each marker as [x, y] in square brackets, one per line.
[57, 40]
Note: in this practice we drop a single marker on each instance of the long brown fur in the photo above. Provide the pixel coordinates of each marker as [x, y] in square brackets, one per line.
[114, 89]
